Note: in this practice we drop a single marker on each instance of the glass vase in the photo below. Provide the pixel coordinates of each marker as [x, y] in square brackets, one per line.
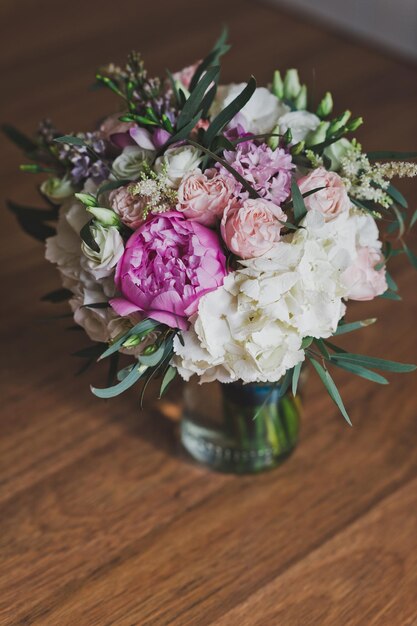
[239, 428]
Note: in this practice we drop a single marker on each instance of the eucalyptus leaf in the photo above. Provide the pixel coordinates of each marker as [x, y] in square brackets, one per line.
[153, 359]
[71, 140]
[298, 202]
[361, 371]
[413, 219]
[169, 376]
[374, 362]
[110, 392]
[193, 103]
[296, 377]
[219, 48]
[390, 295]
[411, 256]
[342, 329]
[397, 196]
[332, 390]
[87, 236]
[145, 326]
[229, 112]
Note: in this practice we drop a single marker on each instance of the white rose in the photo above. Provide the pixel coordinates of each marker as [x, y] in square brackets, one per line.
[259, 115]
[57, 189]
[301, 123]
[129, 164]
[175, 163]
[102, 263]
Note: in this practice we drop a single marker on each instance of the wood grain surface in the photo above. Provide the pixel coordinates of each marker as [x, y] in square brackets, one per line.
[103, 520]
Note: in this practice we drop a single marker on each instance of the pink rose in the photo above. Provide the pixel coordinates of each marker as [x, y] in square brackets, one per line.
[168, 264]
[204, 197]
[252, 228]
[361, 279]
[330, 201]
[128, 207]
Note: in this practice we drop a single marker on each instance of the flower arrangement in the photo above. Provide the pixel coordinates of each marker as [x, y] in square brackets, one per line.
[218, 231]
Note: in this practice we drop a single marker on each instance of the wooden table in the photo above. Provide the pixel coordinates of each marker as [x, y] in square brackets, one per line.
[103, 520]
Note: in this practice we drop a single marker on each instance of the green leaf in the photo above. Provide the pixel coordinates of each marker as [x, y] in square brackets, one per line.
[121, 374]
[219, 48]
[411, 256]
[306, 342]
[193, 103]
[144, 327]
[321, 346]
[58, 295]
[390, 295]
[392, 285]
[18, 138]
[229, 112]
[87, 236]
[397, 196]
[391, 155]
[169, 376]
[374, 362]
[110, 392]
[298, 202]
[413, 219]
[183, 132]
[295, 378]
[361, 371]
[332, 390]
[71, 140]
[342, 329]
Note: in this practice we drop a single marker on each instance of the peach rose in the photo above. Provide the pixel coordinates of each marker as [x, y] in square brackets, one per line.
[204, 197]
[252, 228]
[127, 206]
[361, 279]
[330, 201]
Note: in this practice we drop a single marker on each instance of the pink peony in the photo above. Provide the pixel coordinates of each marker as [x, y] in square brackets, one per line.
[361, 279]
[168, 264]
[128, 207]
[204, 197]
[330, 201]
[252, 228]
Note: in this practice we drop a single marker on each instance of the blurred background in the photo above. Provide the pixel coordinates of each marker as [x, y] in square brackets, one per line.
[391, 24]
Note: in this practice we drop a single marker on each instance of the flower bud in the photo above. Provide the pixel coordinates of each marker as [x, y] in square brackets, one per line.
[326, 105]
[354, 124]
[317, 136]
[132, 341]
[298, 148]
[106, 217]
[277, 85]
[57, 189]
[288, 136]
[301, 99]
[273, 141]
[87, 199]
[291, 84]
[339, 122]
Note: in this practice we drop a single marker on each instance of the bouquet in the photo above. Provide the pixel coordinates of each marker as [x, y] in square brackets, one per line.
[218, 231]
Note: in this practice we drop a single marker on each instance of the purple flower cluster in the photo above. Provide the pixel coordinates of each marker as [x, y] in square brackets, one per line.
[267, 170]
[84, 164]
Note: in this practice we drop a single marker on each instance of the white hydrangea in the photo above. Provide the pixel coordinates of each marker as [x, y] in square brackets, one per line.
[252, 327]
